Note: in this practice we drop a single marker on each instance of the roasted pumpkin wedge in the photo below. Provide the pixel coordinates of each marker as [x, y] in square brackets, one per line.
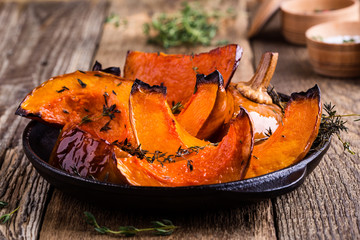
[154, 125]
[178, 72]
[199, 107]
[254, 98]
[293, 138]
[97, 100]
[210, 164]
[209, 107]
[80, 153]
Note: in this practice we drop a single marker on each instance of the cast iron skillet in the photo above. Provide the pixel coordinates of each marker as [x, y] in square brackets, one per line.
[39, 139]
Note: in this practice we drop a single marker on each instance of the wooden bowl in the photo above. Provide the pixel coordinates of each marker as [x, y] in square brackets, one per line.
[299, 15]
[334, 59]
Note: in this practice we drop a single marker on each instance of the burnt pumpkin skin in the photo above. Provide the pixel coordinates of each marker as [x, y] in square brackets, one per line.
[226, 162]
[78, 152]
[154, 125]
[96, 100]
[176, 70]
[292, 139]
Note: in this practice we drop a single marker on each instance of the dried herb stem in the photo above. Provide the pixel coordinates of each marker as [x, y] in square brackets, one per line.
[163, 228]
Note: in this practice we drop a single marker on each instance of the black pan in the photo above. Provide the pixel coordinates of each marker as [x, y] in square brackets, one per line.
[39, 139]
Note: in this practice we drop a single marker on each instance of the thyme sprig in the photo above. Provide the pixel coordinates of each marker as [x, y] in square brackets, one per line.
[276, 98]
[333, 123]
[159, 156]
[190, 26]
[6, 217]
[176, 108]
[162, 228]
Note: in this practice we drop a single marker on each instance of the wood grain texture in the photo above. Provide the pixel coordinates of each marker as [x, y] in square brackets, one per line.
[116, 41]
[326, 206]
[39, 40]
[64, 218]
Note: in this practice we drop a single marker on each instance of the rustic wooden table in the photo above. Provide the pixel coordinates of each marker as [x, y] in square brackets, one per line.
[43, 39]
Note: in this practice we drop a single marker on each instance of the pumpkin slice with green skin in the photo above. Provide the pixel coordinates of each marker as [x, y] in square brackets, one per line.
[154, 125]
[199, 107]
[178, 72]
[80, 153]
[225, 162]
[293, 138]
[97, 100]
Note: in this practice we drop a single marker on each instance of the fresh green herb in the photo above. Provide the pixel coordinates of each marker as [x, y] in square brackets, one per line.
[222, 42]
[62, 89]
[115, 19]
[3, 204]
[351, 40]
[6, 217]
[65, 111]
[176, 108]
[114, 92]
[82, 71]
[333, 123]
[82, 84]
[255, 157]
[98, 75]
[119, 84]
[86, 110]
[190, 26]
[318, 38]
[162, 228]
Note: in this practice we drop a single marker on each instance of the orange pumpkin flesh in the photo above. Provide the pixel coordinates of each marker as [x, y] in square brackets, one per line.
[265, 116]
[97, 100]
[154, 124]
[292, 139]
[225, 162]
[180, 70]
[220, 115]
[198, 109]
[254, 98]
[78, 152]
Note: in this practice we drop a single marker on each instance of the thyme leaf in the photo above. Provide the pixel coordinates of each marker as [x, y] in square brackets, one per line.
[62, 89]
[176, 108]
[162, 228]
[3, 204]
[106, 127]
[85, 119]
[6, 217]
[82, 84]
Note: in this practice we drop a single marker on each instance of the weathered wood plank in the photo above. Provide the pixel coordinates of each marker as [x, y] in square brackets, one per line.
[39, 40]
[64, 217]
[327, 205]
